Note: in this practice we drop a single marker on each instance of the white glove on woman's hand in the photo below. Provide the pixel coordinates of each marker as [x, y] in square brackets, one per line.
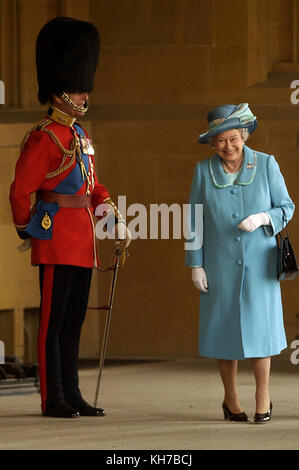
[122, 233]
[254, 221]
[199, 279]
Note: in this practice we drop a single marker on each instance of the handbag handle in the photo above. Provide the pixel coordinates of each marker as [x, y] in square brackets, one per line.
[285, 223]
[284, 227]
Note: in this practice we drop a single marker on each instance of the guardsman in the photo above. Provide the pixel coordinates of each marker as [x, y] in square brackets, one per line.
[57, 164]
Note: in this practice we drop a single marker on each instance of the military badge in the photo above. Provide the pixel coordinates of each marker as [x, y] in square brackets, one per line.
[46, 222]
[86, 145]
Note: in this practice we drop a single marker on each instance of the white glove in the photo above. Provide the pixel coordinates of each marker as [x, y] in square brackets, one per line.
[199, 279]
[122, 233]
[254, 221]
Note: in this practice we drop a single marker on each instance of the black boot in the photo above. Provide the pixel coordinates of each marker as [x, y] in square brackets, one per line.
[84, 409]
[60, 409]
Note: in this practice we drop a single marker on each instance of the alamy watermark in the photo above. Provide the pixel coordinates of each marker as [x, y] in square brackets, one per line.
[2, 352]
[295, 354]
[295, 94]
[153, 222]
[2, 92]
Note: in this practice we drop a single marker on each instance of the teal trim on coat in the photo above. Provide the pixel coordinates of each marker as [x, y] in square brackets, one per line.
[241, 316]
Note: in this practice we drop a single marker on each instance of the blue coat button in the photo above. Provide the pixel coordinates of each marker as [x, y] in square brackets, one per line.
[234, 191]
[236, 215]
[237, 239]
[239, 261]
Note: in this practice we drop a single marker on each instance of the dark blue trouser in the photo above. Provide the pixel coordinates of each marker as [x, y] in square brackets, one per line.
[64, 297]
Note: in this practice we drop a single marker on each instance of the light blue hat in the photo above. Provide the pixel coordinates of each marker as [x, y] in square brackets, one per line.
[228, 116]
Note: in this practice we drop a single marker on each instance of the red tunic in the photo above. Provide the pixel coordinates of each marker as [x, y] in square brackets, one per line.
[73, 240]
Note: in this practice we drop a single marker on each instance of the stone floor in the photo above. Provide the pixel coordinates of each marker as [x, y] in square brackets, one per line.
[169, 404]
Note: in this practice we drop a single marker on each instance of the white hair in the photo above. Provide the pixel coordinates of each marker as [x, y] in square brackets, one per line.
[244, 133]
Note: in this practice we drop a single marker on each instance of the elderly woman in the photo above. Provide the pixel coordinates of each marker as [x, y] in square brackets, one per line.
[233, 255]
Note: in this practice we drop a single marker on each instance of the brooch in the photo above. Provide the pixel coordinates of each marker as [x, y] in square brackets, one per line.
[249, 166]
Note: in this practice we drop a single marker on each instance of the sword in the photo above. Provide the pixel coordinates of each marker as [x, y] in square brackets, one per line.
[119, 258]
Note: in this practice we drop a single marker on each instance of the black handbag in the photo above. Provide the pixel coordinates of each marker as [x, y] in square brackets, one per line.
[287, 268]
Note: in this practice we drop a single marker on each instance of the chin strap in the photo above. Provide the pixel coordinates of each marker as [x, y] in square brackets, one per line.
[69, 101]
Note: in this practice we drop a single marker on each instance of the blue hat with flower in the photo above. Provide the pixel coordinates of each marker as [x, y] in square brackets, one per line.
[226, 117]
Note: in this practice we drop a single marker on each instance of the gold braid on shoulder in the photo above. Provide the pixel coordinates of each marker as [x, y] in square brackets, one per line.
[39, 126]
[67, 153]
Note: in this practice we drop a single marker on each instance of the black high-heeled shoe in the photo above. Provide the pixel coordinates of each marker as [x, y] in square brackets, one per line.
[241, 417]
[260, 418]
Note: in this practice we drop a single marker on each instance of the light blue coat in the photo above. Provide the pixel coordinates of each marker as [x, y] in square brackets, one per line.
[241, 315]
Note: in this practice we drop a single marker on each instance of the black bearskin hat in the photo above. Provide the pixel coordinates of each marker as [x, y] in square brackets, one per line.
[67, 53]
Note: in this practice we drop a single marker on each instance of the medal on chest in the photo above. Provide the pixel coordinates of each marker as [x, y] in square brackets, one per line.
[85, 150]
[86, 145]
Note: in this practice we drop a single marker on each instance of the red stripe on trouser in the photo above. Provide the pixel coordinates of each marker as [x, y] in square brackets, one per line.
[46, 301]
